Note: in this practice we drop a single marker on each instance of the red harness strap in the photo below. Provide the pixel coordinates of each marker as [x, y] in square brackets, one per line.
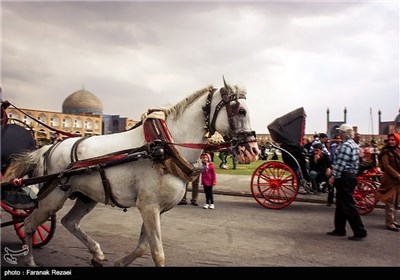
[201, 146]
[155, 129]
[94, 161]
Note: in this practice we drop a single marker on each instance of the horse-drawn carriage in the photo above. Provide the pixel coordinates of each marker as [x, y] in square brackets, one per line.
[106, 168]
[275, 184]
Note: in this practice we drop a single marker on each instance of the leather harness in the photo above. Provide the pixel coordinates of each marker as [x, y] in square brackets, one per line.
[158, 138]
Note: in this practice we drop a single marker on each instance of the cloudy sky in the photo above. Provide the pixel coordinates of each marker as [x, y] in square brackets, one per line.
[139, 55]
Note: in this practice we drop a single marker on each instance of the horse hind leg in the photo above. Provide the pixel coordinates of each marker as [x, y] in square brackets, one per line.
[137, 252]
[71, 221]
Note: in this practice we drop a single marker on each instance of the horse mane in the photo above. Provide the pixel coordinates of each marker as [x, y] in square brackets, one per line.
[178, 109]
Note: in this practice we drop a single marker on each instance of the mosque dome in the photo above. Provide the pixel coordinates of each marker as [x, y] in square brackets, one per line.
[82, 102]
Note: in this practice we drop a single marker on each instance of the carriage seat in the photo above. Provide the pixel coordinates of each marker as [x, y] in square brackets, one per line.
[20, 198]
[16, 139]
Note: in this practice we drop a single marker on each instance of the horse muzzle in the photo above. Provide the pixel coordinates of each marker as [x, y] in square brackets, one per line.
[245, 147]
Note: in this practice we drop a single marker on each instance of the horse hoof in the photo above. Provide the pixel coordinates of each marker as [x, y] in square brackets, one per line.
[97, 263]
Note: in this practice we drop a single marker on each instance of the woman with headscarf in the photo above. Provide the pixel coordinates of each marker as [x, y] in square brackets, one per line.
[389, 191]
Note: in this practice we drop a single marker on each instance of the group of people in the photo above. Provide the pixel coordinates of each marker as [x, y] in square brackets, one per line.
[321, 156]
[337, 165]
[341, 167]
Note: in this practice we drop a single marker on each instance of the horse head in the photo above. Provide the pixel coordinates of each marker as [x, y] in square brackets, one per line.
[235, 125]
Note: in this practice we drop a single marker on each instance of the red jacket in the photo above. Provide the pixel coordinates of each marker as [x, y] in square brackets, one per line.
[208, 175]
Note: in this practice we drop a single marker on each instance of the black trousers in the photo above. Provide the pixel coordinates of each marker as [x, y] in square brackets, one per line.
[331, 193]
[346, 210]
[195, 190]
[208, 191]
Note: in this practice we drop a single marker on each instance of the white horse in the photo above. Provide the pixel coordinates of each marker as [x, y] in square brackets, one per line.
[148, 185]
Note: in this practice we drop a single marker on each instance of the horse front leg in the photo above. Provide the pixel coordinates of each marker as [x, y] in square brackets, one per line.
[47, 207]
[29, 259]
[71, 221]
[152, 224]
[137, 252]
[31, 223]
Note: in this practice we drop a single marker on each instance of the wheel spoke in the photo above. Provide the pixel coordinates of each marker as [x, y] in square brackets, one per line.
[274, 185]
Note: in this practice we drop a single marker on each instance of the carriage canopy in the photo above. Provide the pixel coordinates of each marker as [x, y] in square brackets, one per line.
[289, 128]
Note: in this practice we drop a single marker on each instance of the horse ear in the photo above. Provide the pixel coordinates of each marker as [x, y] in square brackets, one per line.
[224, 91]
[223, 78]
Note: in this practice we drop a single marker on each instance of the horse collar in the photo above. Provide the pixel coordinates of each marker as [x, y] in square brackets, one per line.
[155, 130]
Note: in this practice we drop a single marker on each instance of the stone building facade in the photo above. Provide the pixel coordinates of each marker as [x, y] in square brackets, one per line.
[82, 113]
[78, 124]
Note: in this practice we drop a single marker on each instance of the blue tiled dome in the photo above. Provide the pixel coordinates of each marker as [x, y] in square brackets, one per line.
[82, 102]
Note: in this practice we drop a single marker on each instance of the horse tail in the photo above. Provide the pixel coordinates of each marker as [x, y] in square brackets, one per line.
[30, 162]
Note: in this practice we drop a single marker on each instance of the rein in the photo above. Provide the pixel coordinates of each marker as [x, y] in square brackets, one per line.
[69, 134]
[160, 148]
[201, 146]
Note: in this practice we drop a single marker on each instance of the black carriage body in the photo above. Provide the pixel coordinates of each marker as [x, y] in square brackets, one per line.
[14, 139]
[288, 132]
[289, 129]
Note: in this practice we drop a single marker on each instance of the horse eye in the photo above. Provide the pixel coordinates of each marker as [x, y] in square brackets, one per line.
[242, 111]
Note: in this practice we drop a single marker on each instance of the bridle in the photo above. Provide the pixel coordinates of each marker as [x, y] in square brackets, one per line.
[230, 100]
[232, 139]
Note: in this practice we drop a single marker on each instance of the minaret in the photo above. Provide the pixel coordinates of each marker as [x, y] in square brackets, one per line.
[327, 117]
[371, 121]
[379, 121]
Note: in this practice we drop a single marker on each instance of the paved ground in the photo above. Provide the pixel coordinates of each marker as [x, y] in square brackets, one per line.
[242, 234]
[239, 185]
[237, 233]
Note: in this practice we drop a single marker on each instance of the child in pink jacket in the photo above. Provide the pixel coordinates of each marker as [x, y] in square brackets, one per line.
[208, 180]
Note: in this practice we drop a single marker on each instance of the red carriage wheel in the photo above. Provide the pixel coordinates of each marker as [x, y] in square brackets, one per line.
[364, 196]
[43, 233]
[274, 185]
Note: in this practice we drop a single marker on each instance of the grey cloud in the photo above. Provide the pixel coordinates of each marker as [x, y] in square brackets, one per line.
[150, 54]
